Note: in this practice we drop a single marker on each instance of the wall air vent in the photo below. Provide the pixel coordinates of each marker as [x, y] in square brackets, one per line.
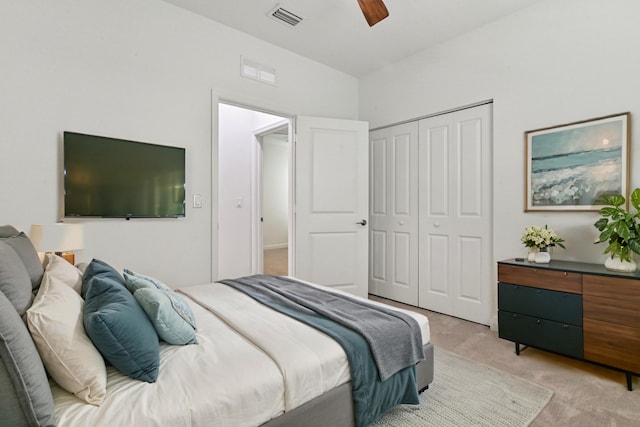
[285, 16]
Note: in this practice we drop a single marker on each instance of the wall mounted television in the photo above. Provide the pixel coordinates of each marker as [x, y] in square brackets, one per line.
[116, 178]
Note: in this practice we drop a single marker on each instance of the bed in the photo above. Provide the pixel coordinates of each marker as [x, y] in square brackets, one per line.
[251, 365]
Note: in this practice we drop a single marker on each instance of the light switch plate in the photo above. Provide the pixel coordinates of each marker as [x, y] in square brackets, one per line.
[197, 200]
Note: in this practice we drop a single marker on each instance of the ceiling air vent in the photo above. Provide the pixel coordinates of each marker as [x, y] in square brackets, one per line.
[285, 16]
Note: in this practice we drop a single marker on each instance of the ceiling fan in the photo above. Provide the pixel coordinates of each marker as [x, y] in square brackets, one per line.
[374, 11]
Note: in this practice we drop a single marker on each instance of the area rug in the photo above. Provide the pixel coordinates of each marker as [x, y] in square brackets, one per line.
[467, 393]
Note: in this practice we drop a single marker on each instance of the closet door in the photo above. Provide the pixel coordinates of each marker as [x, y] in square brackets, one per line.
[455, 214]
[393, 265]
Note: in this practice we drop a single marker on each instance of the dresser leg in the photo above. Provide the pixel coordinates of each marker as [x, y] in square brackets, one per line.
[629, 381]
[517, 349]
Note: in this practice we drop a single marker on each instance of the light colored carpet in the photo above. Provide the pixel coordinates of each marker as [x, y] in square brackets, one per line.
[467, 393]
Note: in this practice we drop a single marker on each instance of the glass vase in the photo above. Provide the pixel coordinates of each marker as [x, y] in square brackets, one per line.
[543, 256]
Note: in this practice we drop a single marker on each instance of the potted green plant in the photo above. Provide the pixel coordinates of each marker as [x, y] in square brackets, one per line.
[621, 229]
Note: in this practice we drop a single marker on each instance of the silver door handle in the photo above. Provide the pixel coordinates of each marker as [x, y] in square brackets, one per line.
[362, 222]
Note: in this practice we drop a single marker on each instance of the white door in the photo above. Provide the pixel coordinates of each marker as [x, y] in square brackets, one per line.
[393, 269]
[331, 203]
[455, 214]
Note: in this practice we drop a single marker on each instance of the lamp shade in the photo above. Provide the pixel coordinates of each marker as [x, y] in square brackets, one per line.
[57, 237]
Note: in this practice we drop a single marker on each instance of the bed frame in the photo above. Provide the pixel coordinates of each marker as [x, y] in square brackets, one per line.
[335, 407]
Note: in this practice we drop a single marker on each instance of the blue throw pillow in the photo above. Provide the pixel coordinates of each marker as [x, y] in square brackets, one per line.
[171, 327]
[99, 268]
[120, 329]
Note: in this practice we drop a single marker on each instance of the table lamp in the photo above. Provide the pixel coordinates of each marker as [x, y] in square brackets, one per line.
[59, 238]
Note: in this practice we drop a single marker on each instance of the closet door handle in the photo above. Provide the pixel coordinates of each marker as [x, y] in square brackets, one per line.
[362, 222]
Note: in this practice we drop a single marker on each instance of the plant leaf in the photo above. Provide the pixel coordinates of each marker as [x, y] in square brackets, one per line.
[606, 234]
[634, 245]
[610, 211]
[617, 200]
[622, 228]
[601, 223]
[635, 199]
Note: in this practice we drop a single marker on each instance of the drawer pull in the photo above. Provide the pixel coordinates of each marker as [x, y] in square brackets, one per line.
[538, 321]
[565, 326]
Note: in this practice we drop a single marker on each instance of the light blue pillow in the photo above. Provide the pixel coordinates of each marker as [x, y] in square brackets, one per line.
[120, 329]
[170, 326]
[135, 281]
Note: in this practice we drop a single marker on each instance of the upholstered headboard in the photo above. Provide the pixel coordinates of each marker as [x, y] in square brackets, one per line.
[25, 395]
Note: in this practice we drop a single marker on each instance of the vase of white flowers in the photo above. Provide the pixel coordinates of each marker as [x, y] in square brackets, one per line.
[539, 241]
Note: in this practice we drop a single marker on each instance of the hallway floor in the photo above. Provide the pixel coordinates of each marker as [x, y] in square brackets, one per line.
[276, 261]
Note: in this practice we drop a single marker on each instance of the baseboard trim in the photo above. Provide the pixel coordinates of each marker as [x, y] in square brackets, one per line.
[276, 246]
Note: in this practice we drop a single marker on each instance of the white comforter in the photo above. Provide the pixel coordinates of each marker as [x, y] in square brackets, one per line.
[251, 365]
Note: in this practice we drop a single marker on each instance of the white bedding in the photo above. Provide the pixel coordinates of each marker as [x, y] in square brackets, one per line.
[251, 365]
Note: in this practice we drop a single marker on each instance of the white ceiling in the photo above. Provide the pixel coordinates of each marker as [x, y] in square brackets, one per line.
[334, 32]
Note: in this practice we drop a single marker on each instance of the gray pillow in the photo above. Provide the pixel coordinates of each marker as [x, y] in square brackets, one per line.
[27, 253]
[23, 364]
[14, 279]
[8, 231]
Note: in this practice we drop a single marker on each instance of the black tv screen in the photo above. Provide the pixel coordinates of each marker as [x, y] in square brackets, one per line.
[108, 177]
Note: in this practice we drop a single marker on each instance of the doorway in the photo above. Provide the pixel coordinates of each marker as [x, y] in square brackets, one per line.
[254, 190]
[274, 181]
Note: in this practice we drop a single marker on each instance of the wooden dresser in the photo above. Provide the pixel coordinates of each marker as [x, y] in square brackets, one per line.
[577, 309]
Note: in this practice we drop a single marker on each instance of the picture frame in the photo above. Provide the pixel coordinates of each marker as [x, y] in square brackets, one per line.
[570, 166]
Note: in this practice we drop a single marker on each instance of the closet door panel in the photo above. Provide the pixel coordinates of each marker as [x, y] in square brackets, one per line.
[470, 172]
[434, 142]
[455, 206]
[402, 186]
[394, 213]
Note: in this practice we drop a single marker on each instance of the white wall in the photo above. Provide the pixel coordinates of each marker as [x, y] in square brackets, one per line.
[554, 63]
[141, 70]
[275, 199]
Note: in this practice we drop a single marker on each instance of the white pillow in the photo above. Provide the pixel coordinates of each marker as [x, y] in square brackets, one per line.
[63, 270]
[55, 323]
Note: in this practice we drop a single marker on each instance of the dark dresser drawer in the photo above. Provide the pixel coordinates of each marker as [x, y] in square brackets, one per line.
[545, 334]
[552, 305]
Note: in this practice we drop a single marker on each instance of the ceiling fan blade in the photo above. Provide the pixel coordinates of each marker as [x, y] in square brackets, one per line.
[374, 11]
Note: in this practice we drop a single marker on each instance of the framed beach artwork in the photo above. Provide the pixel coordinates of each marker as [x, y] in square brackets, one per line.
[568, 167]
